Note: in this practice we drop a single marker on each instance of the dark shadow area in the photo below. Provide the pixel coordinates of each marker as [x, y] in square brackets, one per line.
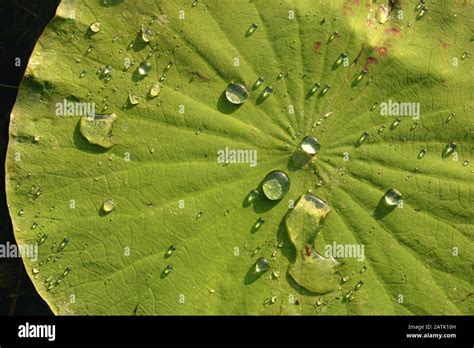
[288, 250]
[382, 209]
[298, 160]
[252, 275]
[138, 43]
[263, 96]
[225, 106]
[82, 144]
[298, 288]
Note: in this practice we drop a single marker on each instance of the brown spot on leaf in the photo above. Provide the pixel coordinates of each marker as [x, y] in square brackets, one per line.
[393, 31]
[317, 45]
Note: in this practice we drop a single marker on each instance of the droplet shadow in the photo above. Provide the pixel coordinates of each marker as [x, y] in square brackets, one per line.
[298, 160]
[83, 145]
[226, 107]
[382, 209]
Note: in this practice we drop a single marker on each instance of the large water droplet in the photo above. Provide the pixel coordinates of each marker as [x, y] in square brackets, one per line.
[275, 185]
[108, 206]
[98, 129]
[236, 93]
[310, 145]
[95, 27]
[262, 265]
[393, 197]
[144, 68]
[147, 34]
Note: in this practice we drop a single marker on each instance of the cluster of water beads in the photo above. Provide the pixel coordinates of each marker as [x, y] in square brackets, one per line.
[275, 185]
[393, 197]
[236, 93]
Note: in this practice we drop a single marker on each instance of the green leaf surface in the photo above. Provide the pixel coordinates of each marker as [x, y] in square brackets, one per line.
[168, 188]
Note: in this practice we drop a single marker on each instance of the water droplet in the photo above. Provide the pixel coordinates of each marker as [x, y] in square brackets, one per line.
[260, 221]
[341, 58]
[236, 93]
[34, 225]
[450, 148]
[89, 49]
[364, 136]
[198, 216]
[83, 73]
[393, 197]
[360, 76]
[252, 196]
[168, 66]
[168, 269]
[315, 88]
[226, 212]
[268, 90]
[35, 270]
[280, 76]
[98, 129]
[310, 145]
[465, 55]
[332, 36]
[195, 3]
[107, 70]
[171, 250]
[396, 123]
[381, 129]
[450, 117]
[155, 90]
[465, 163]
[198, 131]
[363, 269]
[275, 185]
[422, 153]
[259, 82]
[66, 271]
[252, 29]
[374, 106]
[108, 206]
[144, 68]
[147, 34]
[42, 239]
[325, 90]
[344, 279]
[21, 212]
[359, 285]
[62, 245]
[421, 13]
[133, 99]
[262, 265]
[348, 297]
[95, 27]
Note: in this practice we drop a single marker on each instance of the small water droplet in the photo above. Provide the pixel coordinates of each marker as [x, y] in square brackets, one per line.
[42, 239]
[198, 131]
[275, 185]
[393, 197]
[262, 265]
[66, 271]
[258, 82]
[332, 36]
[465, 55]
[341, 58]
[421, 13]
[171, 250]
[155, 90]
[360, 76]
[374, 106]
[450, 148]
[236, 93]
[359, 285]
[348, 297]
[34, 225]
[83, 73]
[89, 49]
[107, 70]
[344, 279]
[381, 129]
[21, 212]
[108, 206]
[62, 245]
[133, 99]
[422, 153]
[252, 196]
[168, 269]
[310, 145]
[450, 117]
[252, 29]
[95, 27]
[35, 270]
[226, 212]
[144, 68]
[198, 216]
[195, 3]
[364, 136]
[147, 34]
[168, 66]
[396, 123]
[465, 163]
[280, 76]
[325, 90]
[268, 90]
[315, 88]
[260, 221]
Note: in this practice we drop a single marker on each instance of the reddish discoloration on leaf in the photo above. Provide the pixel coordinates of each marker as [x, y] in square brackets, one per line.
[317, 45]
[393, 31]
[443, 44]
[370, 60]
[383, 51]
[307, 250]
